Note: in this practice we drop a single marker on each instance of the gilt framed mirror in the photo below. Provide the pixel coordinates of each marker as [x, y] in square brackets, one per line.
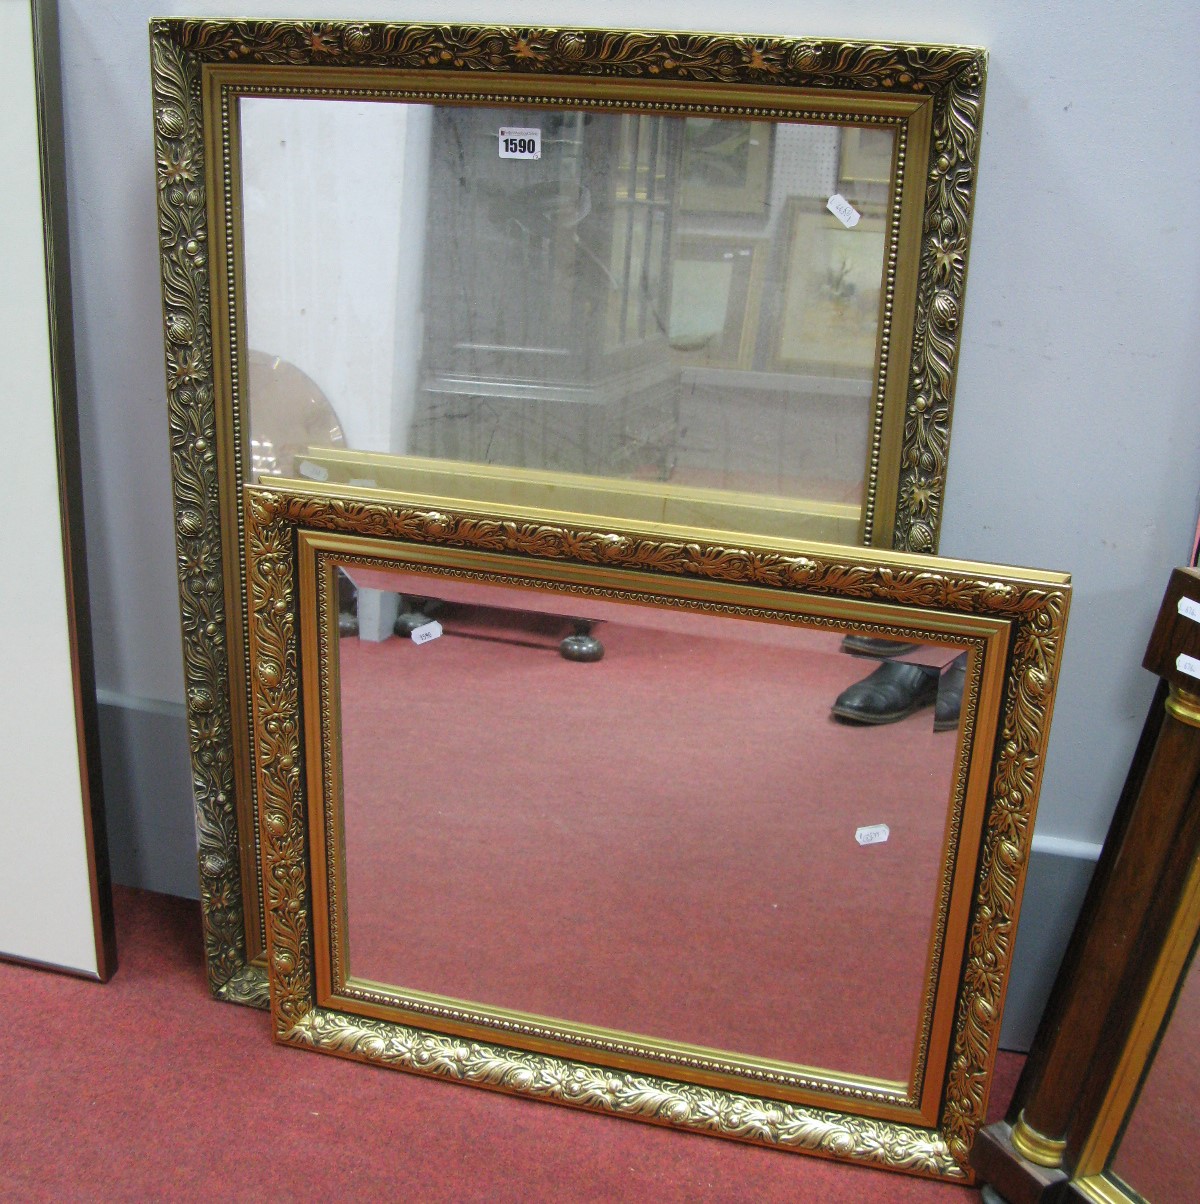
[703, 280]
[666, 883]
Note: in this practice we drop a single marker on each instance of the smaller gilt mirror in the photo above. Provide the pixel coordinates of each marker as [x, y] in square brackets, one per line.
[594, 830]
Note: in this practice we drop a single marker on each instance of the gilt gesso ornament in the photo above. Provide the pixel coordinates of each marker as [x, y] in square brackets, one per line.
[1034, 614]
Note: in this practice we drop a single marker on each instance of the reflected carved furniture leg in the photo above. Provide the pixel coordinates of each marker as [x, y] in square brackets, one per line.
[581, 645]
[416, 614]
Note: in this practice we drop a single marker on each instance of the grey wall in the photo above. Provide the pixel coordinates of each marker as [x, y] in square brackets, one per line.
[1076, 440]
[147, 794]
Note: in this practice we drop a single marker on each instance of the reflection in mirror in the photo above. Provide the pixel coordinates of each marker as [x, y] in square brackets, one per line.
[290, 414]
[661, 841]
[1155, 1155]
[655, 299]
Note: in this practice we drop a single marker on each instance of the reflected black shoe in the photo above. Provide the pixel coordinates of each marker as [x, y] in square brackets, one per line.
[894, 690]
[869, 645]
[949, 695]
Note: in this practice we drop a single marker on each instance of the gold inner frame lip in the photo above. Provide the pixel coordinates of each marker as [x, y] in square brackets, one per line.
[911, 117]
[337, 986]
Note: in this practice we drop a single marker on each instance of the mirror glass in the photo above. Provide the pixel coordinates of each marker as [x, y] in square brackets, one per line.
[637, 818]
[1154, 1155]
[663, 301]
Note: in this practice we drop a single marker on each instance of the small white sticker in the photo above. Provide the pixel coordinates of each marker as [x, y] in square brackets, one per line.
[874, 834]
[1188, 664]
[520, 143]
[1189, 609]
[314, 472]
[426, 632]
[362, 482]
[843, 210]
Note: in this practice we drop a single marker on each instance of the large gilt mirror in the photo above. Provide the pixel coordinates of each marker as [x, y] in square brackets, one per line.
[707, 281]
[664, 882]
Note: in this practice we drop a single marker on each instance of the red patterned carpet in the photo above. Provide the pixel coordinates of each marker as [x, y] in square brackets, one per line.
[675, 822]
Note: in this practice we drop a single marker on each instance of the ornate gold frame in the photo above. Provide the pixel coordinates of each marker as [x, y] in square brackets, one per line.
[1012, 621]
[934, 94]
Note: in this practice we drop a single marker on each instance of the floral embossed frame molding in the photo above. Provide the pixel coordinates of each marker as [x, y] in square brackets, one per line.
[669, 172]
[349, 949]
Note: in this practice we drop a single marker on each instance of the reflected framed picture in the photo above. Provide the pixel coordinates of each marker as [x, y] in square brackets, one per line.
[726, 166]
[716, 297]
[865, 155]
[831, 294]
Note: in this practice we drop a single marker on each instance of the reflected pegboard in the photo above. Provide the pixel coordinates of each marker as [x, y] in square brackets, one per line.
[806, 162]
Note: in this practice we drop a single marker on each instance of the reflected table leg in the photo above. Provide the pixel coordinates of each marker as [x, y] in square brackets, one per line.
[377, 611]
[581, 644]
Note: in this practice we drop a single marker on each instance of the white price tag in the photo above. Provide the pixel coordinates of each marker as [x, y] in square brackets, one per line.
[520, 143]
[843, 210]
[1188, 664]
[1189, 609]
[873, 834]
[314, 472]
[362, 482]
[426, 632]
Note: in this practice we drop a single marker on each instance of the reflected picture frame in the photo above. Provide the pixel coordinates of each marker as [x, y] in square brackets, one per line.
[931, 95]
[1012, 623]
[715, 297]
[726, 174]
[832, 324]
[863, 158]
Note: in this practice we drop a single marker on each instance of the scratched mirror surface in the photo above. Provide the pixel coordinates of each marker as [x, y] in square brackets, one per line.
[664, 301]
[662, 841]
